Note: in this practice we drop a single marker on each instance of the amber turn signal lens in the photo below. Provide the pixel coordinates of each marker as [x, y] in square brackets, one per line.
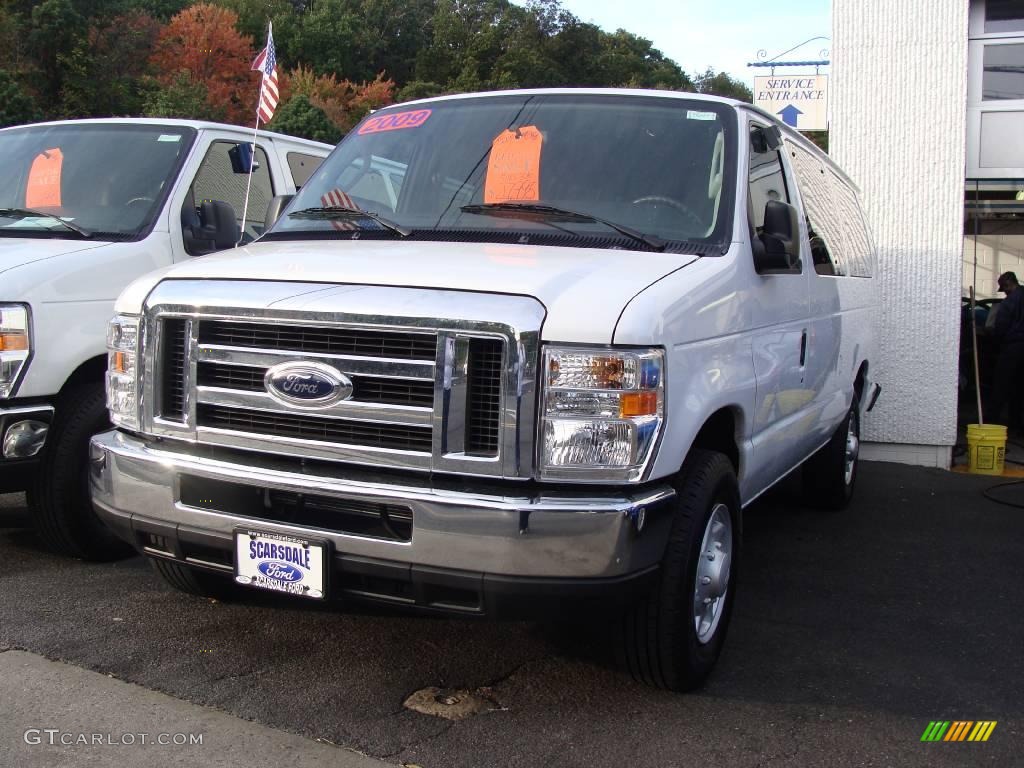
[10, 342]
[119, 362]
[638, 404]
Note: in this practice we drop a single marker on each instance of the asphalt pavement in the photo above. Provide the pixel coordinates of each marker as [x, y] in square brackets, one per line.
[852, 631]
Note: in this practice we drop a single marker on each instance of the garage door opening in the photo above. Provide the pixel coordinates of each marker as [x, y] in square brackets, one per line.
[993, 245]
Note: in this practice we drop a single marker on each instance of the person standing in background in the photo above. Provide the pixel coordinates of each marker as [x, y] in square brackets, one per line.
[1008, 327]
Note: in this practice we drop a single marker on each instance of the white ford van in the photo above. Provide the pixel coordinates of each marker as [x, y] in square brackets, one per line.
[85, 208]
[505, 353]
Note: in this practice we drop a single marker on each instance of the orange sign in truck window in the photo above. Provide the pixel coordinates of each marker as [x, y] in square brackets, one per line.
[513, 168]
[43, 188]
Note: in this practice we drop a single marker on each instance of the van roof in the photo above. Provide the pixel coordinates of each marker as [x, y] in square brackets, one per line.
[793, 135]
[197, 124]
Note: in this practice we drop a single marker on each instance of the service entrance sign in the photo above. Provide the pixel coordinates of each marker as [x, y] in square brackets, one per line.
[797, 100]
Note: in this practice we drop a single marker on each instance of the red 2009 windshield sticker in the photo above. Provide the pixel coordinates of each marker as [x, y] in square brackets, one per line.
[395, 121]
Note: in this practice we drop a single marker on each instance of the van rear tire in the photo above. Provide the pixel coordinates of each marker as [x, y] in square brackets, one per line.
[665, 640]
[830, 475]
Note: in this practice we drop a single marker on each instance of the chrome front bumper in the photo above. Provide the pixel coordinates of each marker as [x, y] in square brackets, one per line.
[136, 488]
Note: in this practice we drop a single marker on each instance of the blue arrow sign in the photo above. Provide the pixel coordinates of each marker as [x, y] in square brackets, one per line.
[789, 114]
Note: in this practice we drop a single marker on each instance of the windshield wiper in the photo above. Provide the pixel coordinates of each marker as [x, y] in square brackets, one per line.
[344, 212]
[24, 213]
[561, 214]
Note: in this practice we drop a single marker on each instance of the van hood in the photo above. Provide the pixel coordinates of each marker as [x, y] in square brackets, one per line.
[19, 251]
[584, 290]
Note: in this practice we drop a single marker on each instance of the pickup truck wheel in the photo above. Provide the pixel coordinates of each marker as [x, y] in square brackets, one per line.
[673, 637]
[193, 581]
[62, 513]
[830, 474]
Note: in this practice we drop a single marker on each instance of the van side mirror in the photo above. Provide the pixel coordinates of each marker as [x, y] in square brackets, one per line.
[277, 204]
[241, 156]
[215, 230]
[777, 248]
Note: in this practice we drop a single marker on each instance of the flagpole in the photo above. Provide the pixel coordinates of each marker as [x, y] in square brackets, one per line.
[255, 136]
[252, 163]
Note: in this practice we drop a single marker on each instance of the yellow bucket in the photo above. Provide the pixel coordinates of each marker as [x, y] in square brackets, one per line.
[986, 448]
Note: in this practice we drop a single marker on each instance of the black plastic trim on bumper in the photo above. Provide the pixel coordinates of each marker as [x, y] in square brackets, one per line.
[403, 585]
[17, 475]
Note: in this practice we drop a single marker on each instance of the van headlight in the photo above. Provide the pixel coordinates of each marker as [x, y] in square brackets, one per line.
[15, 345]
[122, 371]
[602, 412]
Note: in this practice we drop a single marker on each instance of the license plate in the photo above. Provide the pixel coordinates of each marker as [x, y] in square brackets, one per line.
[281, 563]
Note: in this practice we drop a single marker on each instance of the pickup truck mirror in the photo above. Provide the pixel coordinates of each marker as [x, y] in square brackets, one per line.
[777, 248]
[274, 208]
[215, 230]
[242, 157]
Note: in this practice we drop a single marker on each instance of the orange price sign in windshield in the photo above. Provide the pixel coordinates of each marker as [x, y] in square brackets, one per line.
[513, 168]
[43, 188]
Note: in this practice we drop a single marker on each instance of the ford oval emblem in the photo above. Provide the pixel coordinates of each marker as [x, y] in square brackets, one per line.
[307, 385]
[273, 569]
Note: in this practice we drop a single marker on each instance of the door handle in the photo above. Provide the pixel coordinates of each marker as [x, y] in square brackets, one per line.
[803, 347]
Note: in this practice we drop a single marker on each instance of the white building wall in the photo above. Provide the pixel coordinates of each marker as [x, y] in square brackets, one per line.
[899, 94]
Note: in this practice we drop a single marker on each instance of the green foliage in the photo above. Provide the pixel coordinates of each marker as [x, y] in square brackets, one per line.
[55, 30]
[418, 89]
[298, 117]
[182, 98]
[820, 138]
[253, 16]
[104, 73]
[16, 106]
[721, 84]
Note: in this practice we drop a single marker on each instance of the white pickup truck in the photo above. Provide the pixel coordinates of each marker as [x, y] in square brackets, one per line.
[86, 207]
[505, 353]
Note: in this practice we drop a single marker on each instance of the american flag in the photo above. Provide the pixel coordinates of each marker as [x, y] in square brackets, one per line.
[334, 198]
[266, 63]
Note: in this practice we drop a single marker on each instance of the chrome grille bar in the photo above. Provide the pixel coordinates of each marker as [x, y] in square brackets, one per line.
[347, 409]
[353, 366]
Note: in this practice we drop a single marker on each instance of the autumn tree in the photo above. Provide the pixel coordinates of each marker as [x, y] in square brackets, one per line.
[343, 102]
[202, 42]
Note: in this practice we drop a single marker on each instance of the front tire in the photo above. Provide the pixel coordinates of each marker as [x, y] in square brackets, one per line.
[672, 638]
[193, 581]
[62, 513]
[830, 474]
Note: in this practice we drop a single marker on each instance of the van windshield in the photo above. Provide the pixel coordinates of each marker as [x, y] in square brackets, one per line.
[616, 171]
[105, 181]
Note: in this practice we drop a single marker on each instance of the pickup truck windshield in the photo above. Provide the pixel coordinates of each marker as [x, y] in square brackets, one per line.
[619, 171]
[103, 181]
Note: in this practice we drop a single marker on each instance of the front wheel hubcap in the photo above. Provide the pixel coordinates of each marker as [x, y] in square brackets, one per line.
[852, 449]
[713, 567]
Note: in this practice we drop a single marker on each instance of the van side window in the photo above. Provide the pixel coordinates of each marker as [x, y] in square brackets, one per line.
[216, 180]
[767, 180]
[854, 241]
[816, 193]
[302, 166]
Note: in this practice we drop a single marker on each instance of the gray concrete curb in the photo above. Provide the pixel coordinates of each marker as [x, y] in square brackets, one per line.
[84, 708]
